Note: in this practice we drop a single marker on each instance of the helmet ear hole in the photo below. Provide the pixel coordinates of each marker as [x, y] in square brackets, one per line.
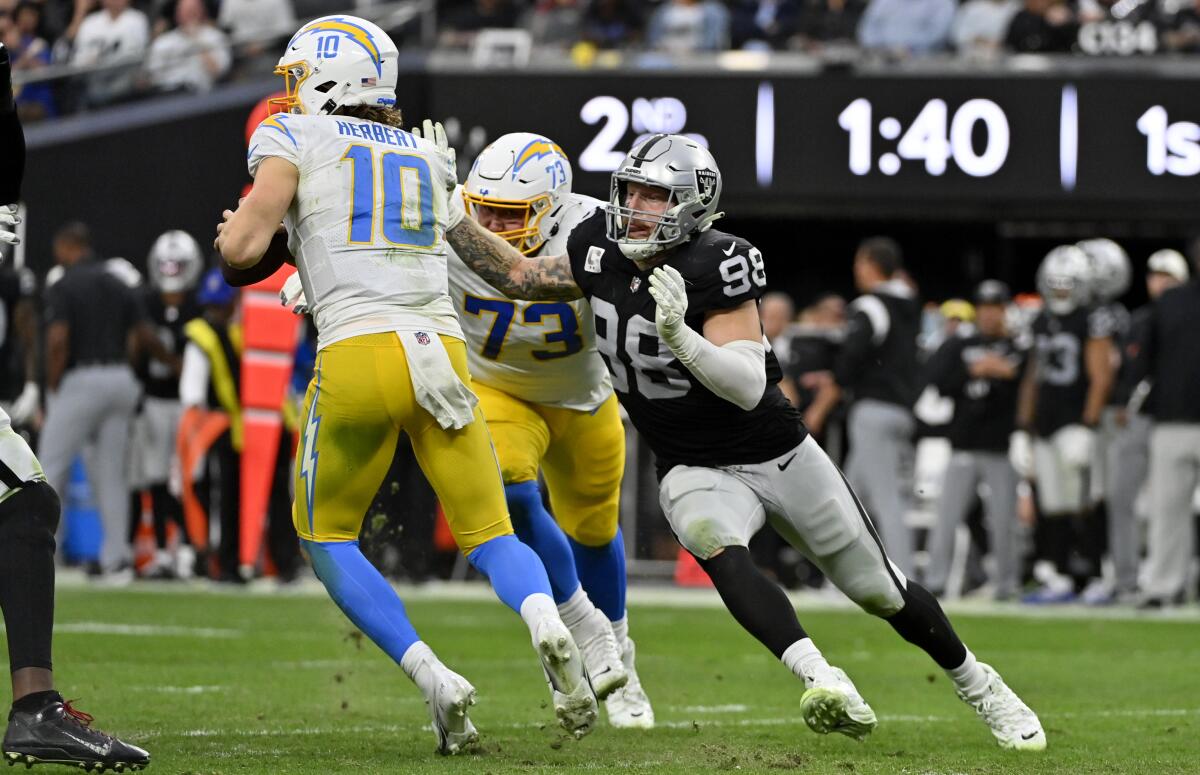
[325, 87]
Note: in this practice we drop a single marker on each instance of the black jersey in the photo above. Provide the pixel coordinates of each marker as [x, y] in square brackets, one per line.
[985, 409]
[1062, 378]
[168, 321]
[683, 422]
[16, 285]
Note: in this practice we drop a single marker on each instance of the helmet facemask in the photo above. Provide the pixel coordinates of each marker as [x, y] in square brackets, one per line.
[1061, 294]
[528, 237]
[666, 231]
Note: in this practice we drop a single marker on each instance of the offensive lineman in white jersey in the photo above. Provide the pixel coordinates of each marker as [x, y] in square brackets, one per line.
[549, 404]
[365, 207]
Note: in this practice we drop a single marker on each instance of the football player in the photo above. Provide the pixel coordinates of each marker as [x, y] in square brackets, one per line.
[549, 405]
[1063, 392]
[367, 218]
[174, 266]
[42, 727]
[1109, 279]
[675, 306]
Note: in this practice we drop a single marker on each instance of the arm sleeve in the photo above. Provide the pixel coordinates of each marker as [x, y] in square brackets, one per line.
[279, 135]
[12, 140]
[735, 371]
[193, 377]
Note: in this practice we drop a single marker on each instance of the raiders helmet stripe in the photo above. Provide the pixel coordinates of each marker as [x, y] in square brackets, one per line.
[645, 150]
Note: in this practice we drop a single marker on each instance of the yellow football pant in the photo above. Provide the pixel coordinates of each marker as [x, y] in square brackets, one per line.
[359, 400]
[582, 455]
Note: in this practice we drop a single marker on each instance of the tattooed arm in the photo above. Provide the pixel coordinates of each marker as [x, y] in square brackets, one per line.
[515, 275]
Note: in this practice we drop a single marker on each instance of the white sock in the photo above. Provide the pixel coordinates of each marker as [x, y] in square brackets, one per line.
[416, 664]
[536, 608]
[969, 677]
[576, 609]
[621, 630]
[803, 658]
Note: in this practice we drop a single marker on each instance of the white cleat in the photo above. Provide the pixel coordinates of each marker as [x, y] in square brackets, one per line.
[1013, 724]
[574, 701]
[832, 704]
[601, 657]
[629, 707]
[451, 696]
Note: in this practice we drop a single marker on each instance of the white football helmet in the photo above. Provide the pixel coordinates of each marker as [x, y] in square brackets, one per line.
[525, 172]
[334, 61]
[175, 262]
[1062, 279]
[1111, 270]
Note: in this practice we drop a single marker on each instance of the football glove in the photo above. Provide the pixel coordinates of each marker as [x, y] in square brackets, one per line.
[1020, 453]
[1075, 444]
[436, 133]
[8, 224]
[292, 295]
[669, 292]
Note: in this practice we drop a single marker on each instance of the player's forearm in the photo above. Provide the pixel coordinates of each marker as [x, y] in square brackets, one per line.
[56, 354]
[1100, 379]
[1027, 398]
[511, 273]
[735, 371]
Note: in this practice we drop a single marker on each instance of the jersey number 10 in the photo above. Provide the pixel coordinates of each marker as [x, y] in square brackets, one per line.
[404, 198]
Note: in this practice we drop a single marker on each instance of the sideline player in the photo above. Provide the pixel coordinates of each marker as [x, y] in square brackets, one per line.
[675, 305]
[367, 219]
[42, 728]
[1062, 395]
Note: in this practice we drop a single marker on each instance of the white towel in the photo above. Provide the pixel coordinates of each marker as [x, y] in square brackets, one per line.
[435, 382]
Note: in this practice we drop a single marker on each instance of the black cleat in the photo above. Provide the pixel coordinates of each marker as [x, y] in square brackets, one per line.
[60, 734]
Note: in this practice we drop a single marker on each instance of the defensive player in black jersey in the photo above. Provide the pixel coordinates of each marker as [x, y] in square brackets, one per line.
[174, 265]
[41, 726]
[1063, 392]
[675, 305]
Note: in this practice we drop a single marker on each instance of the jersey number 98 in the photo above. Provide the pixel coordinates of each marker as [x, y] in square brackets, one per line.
[406, 194]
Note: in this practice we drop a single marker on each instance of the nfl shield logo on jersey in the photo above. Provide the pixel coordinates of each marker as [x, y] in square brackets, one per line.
[706, 185]
[422, 337]
[635, 283]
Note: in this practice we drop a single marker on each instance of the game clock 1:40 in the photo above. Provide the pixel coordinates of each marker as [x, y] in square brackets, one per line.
[935, 137]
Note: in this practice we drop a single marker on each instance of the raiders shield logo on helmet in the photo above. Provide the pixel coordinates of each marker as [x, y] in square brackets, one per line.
[706, 185]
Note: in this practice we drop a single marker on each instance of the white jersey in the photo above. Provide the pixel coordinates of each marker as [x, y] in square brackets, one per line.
[367, 226]
[543, 352]
[17, 457]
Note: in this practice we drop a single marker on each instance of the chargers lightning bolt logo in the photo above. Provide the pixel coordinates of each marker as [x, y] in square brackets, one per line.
[535, 150]
[308, 458]
[355, 33]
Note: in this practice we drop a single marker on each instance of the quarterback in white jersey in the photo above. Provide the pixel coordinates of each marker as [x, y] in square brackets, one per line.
[550, 406]
[367, 212]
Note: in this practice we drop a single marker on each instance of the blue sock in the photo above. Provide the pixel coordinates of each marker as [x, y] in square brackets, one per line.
[363, 594]
[601, 569]
[538, 530]
[512, 567]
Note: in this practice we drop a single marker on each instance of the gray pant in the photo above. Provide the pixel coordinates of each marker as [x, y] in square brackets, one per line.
[94, 404]
[880, 467]
[1174, 473]
[967, 470]
[1128, 452]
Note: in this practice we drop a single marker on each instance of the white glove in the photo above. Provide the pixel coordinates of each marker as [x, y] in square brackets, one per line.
[292, 295]
[8, 224]
[436, 133]
[25, 406]
[669, 292]
[1075, 444]
[1020, 454]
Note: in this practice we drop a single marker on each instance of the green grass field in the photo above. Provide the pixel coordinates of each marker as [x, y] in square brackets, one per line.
[215, 682]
